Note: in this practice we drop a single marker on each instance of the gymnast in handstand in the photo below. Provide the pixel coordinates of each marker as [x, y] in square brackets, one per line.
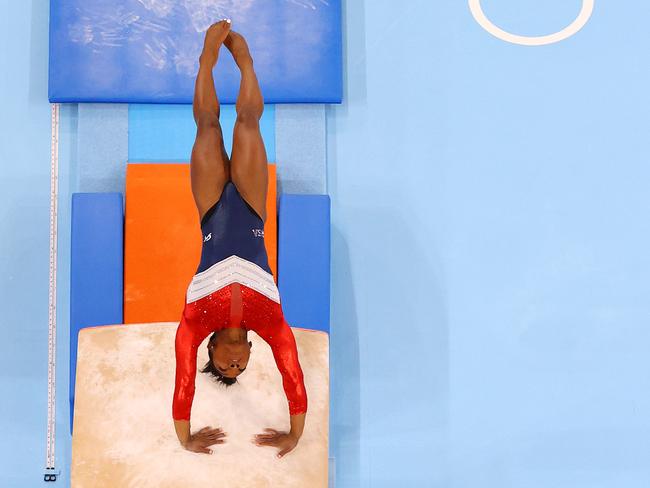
[233, 291]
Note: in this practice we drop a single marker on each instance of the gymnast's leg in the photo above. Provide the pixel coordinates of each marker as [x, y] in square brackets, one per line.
[209, 174]
[248, 163]
[209, 166]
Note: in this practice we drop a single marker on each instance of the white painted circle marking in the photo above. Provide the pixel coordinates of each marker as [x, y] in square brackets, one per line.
[573, 28]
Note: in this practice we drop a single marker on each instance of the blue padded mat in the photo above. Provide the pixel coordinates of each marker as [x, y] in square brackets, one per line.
[304, 260]
[146, 51]
[96, 267]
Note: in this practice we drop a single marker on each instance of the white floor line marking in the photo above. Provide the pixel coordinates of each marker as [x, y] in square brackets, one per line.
[570, 30]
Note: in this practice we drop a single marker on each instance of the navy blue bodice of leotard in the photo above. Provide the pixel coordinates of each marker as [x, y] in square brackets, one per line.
[232, 227]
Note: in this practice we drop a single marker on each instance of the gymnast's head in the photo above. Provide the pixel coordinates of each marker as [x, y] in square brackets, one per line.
[228, 357]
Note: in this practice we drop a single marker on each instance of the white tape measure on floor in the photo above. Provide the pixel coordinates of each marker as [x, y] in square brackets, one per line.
[51, 472]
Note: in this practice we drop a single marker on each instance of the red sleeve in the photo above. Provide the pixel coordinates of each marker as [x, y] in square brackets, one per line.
[283, 344]
[188, 340]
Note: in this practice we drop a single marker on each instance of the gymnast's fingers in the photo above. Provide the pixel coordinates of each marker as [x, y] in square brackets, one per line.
[207, 444]
[284, 451]
[220, 435]
[213, 434]
[268, 434]
[217, 433]
[262, 437]
[264, 442]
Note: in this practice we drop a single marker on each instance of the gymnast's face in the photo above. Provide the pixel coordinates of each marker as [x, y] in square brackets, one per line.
[231, 359]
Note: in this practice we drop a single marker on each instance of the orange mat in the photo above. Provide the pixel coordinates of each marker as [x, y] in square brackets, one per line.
[162, 245]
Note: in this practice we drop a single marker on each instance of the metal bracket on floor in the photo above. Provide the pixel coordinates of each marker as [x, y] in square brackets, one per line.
[51, 474]
[332, 472]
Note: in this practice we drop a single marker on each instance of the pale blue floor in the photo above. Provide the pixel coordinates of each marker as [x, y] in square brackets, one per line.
[489, 245]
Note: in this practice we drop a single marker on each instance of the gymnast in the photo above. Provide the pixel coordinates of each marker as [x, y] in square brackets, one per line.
[233, 290]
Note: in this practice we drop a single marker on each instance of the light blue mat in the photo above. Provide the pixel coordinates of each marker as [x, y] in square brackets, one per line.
[300, 139]
[102, 147]
[165, 133]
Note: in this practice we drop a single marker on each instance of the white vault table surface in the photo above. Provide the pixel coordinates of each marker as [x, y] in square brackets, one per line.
[124, 433]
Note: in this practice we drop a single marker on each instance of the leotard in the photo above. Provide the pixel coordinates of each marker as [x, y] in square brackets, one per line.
[234, 287]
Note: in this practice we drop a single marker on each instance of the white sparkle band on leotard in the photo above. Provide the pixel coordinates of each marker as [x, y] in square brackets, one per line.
[232, 270]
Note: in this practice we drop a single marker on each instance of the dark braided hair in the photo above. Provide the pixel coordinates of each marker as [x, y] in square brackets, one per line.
[211, 369]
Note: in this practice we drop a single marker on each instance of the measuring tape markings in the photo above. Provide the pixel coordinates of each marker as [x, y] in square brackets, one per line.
[50, 470]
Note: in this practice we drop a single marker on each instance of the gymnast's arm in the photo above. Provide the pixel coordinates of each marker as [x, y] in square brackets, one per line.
[187, 342]
[186, 351]
[283, 344]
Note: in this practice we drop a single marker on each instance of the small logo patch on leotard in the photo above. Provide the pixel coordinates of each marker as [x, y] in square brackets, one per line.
[258, 232]
[208, 237]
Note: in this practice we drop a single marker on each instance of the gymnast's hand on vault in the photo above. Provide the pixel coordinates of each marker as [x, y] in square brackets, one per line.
[204, 438]
[284, 441]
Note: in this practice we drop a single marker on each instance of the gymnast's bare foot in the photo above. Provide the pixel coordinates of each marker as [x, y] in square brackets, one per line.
[237, 45]
[214, 37]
